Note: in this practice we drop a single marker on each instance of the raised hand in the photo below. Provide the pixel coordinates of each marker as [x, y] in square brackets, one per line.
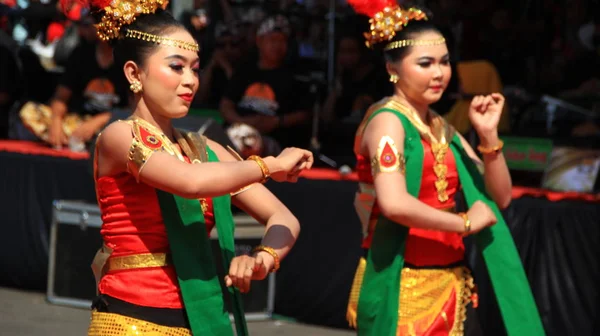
[485, 112]
[288, 165]
[481, 216]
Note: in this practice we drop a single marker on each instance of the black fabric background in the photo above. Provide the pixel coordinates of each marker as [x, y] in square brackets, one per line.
[559, 243]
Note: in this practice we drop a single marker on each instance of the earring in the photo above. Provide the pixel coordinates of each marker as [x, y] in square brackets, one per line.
[394, 78]
[136, 87]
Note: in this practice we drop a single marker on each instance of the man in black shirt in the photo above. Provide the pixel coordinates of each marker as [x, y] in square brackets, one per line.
[266, 95]
[91, 86]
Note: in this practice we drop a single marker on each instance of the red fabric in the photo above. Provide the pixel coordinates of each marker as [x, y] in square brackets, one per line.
[133, 224]
[429, 247]
[38, 148]
[439, 327]
[425, 247]
[55, 31]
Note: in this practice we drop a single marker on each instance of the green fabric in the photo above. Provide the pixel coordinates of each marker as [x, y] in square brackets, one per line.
[194, 263]
[379, 296]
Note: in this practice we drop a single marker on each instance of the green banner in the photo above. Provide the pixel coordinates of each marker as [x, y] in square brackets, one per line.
[530, 154]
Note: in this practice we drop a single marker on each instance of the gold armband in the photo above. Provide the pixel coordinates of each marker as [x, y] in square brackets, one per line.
[143, 145]
[263, 167]
[388, 159]
[270, 251]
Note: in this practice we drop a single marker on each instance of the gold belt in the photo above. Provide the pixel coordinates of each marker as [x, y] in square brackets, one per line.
[141, 260]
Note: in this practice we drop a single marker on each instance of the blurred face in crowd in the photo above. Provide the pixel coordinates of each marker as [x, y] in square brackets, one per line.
[87, 31]
[424, 72]
[349, 54]
[169, 77]
[231, 45]
[272, 47]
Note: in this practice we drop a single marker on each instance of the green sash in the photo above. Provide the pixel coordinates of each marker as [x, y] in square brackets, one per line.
[380, 292]
[194, 263]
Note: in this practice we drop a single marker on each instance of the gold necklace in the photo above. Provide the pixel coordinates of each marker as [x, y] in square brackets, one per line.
[438, 141]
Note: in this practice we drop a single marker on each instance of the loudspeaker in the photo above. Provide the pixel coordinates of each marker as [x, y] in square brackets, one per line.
[75, 238]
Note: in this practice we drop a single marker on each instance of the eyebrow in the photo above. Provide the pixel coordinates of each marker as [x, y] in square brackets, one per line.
[429, 58]
[183, 58]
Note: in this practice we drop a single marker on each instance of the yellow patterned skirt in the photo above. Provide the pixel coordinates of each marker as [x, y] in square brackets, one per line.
[432, 301]
[109, 324]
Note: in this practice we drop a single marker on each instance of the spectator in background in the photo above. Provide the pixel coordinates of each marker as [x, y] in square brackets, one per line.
[220, 68]
[90, 87]
[360, 82]
[265, 94]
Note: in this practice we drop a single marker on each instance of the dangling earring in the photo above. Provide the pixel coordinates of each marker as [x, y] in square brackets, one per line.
[136, 87]
[394, 78]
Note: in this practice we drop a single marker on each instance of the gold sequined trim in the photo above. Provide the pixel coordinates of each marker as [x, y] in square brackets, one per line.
[352, 310]
[109, 324]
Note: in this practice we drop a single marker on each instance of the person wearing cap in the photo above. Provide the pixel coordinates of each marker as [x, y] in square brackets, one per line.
[265, 94]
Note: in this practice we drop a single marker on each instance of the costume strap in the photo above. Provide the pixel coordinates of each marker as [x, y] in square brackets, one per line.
[193, 257]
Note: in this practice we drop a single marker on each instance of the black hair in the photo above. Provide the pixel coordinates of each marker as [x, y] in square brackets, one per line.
[131, 49]
[410, 31]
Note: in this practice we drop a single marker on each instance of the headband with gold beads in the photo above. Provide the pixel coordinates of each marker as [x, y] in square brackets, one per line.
[387, 18]
[124, 12]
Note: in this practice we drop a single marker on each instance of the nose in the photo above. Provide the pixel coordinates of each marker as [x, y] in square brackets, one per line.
[438, 73]
[189, 79]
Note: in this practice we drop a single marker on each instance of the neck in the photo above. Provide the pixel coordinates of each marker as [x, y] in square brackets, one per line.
[421, 109]
[267, 65]
[163, 124]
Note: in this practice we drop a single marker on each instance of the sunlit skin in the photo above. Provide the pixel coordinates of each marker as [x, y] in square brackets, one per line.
[169, 80]
[423, 74]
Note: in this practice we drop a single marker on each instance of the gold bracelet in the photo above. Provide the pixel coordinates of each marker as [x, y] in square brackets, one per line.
[270, 251]
[467, 222]
[263, 167]
[491, 150]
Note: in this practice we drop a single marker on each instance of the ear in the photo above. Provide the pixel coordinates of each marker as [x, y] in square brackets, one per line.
[132, 72]
[391, 69]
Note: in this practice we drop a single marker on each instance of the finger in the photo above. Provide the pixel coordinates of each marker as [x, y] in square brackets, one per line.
[247, 272]
[488, 101]
[258, 262]
[498, 98]
[228, 281]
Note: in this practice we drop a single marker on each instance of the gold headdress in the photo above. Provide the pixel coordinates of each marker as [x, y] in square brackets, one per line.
[387, 18]
[118, 13]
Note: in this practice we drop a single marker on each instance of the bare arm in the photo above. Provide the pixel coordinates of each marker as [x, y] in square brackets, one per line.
[392, 197]
[166, 172]
[496, 175]
[59, 102]
[282, 227]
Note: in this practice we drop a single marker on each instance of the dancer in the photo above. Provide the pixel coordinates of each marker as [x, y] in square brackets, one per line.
[411, 163]
[161, 191]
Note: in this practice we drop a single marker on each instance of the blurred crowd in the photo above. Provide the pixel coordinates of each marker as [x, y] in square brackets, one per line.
[270, 77]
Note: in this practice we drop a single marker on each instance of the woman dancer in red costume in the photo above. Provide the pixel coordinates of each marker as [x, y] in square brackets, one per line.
[161, 191]
[410, 164]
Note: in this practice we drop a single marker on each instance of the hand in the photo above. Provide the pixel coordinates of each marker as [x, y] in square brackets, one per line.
[244, 269]
[485, 112]
[481, 216]
[85, 131]
[288, 165]
[56, 136]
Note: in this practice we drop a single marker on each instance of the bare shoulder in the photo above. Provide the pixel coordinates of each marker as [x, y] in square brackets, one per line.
[383, 124]
[114, 143]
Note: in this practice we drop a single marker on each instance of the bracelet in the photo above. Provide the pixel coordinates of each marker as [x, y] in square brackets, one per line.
[273, 254]
[263, 167]
[467, 222]
[490, 150]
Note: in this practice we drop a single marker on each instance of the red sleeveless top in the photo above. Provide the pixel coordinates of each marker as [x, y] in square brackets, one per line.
[425, 247]
[133, 224]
